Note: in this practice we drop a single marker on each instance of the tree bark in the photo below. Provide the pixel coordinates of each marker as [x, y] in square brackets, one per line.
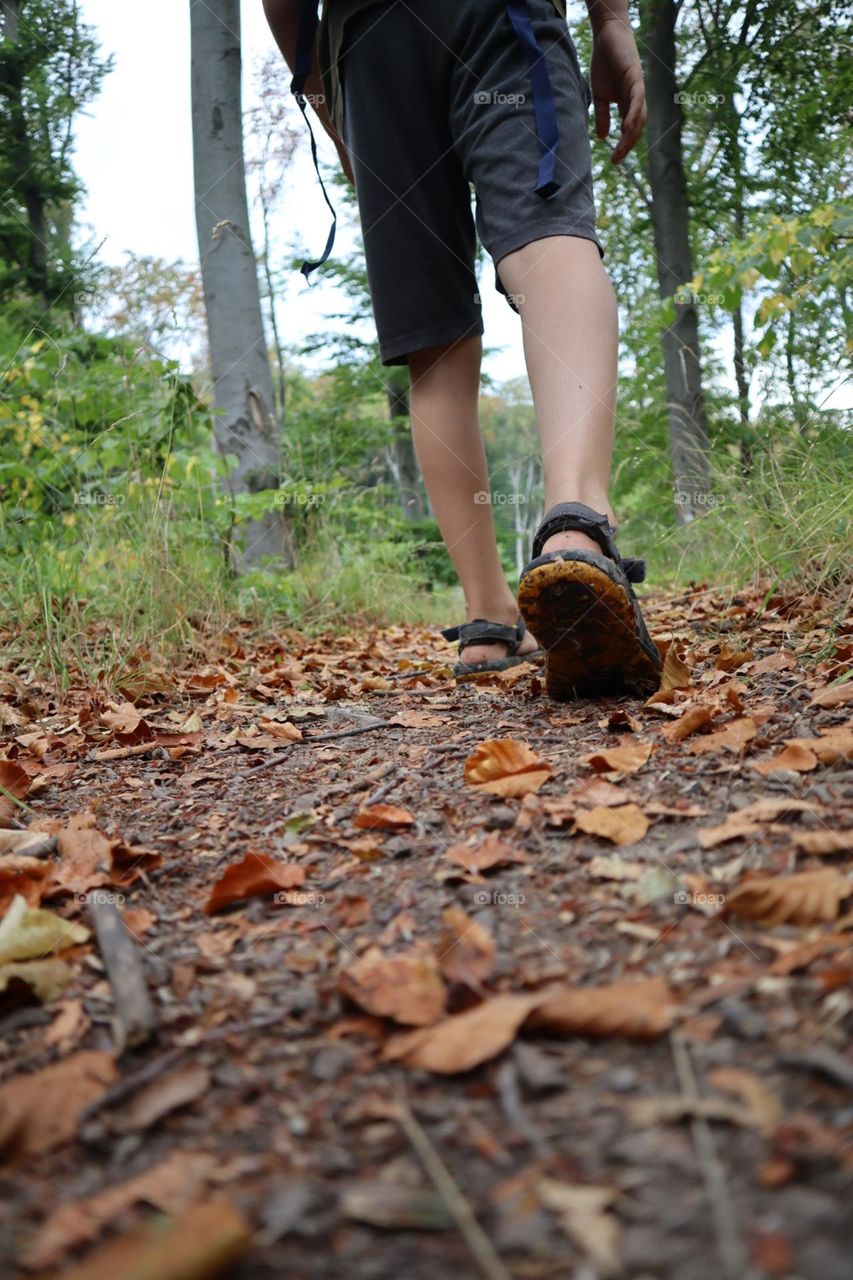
[405, 461]
[688, 431]
[245, 424]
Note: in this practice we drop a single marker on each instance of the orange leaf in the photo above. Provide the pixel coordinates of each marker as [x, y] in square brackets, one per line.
[833, 695]
[822, 842]
[621, 824]
[506, 768]
[257, 876]
[383, 817]
[799, 758]
[694, 718]
[490, 852]
[43, 1107]
[732, 737]
[676, 673]
[466, 949]
[407, 987]
[637, 1010]
[809, 897]
[464, 1041]
[624, 759]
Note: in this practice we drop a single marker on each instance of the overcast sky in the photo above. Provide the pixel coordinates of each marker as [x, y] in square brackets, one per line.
[134, 154]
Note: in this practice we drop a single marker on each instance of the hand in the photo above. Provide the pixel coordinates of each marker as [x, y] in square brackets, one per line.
[616, 75]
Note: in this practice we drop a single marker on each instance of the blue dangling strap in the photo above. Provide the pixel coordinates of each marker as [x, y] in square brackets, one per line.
[306, 32]
[544, 109]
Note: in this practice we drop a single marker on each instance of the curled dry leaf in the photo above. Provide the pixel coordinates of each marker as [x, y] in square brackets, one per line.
[751, 1091]
[749, 821]
[42, 1108]
[257, 876]
[42, 979]
[732, 737]
[676, 673]
[833, 695]
[809, 897]
[33, 843]
[466, 950]
[281, 729]
[693, 719]
[795, 757]
[21, 876]
[621, 824]
[491, 852]
[14, 785]
[829, 749]
[627, 758]
[407, 987]
[465, 1041]
[505, 767]
[638, 1010]
[31, 933]
[823, 842]
[584, 1217]
[169, 1185]
[383, 817]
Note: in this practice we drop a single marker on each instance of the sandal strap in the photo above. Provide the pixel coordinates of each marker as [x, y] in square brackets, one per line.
[570, 516]
[481, 631]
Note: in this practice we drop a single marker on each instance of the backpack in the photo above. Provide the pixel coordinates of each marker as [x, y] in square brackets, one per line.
[544, 109]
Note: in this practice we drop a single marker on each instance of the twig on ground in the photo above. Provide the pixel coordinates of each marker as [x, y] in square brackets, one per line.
[135, 1016]
[729, 1243]
[482, 1250]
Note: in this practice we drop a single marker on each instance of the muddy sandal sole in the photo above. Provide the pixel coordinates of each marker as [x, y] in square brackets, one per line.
[584, 619]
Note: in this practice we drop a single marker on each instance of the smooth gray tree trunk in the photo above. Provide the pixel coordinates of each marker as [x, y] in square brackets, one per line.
[245, 425]
[688, 431]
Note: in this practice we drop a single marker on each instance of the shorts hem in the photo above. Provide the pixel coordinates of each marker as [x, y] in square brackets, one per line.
[541, 231]
[394, 351]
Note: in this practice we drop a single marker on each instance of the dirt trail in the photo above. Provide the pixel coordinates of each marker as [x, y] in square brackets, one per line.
[427, 1006]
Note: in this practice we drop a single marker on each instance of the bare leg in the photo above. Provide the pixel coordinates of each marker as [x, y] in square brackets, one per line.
[445, 386]
[569, 324]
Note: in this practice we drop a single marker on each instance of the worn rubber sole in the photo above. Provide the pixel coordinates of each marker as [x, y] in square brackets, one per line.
[585, 622]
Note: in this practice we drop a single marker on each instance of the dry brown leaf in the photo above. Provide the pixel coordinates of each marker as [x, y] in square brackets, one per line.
[676, 673]
[809, 897]
[418, 720]
[258, 875]
[506, 768]
[751, 1091]
[645, 1113]
[584, 1217]
[830, 748]
[201, 1242]
[14, 782]
[638, 1010]
[31, 843]
[622, 824]
[491, 852]
[833, 695]
[169, 1186]
[465, 1041]
[823, 842]
[22, 876]
[730, 659]
[466, 950]
[383, 817]
[178, 1088]
[749, 821]
[802, 955]
[42, 979]
[693, 719]
[614, 868]
[781, 660]
[43, 1108]
[732, 737]
[627, 758]
[281, 729]
[407, 987]
[795, 757]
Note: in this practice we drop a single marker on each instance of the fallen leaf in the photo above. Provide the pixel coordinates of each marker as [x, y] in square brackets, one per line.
[178, 1088]
[645, 1113]
[624, 759]
[751, 1091]
[43, 979]
[199, 1243]
[30, 933]
[808, 897]
[823, 842]
[24, 877]
[418, 720]
[693, 719]
[281, 729]
[829, 749]
[395, 1207]
[781, 660]
[798, 758]
[45, 1106]
[464, 1041]
[505, 767]
[622, 824]
[833, 695]
[169, 1185]
[614, 868]
[730, 659]
[584, 1217]
[491, 852]
[32, 843]
[748, 821]
[676, 673]
[14, 785]
[732, 737]
[639, 1010]
[466, 950]
[406, 986]
[383, 817]
[257, 876]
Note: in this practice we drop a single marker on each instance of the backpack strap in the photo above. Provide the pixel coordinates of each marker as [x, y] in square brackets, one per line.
[544, 109]
[306, 32]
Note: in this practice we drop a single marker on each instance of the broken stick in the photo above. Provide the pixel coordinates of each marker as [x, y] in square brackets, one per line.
[136, 1019]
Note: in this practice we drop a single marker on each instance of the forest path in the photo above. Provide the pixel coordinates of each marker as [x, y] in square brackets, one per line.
[571, 1005]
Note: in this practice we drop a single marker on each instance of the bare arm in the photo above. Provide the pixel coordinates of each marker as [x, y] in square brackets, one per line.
[283, 19]
[616, 74]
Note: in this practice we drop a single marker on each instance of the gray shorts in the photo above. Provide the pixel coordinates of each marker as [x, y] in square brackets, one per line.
[437, 100]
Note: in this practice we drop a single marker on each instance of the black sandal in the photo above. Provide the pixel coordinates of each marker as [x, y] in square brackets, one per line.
[583, 608]
[480, 631]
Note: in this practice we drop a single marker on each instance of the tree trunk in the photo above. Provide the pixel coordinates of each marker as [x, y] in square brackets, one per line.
[246, 427]
[688, 432]
[21, 154]
[405, 461]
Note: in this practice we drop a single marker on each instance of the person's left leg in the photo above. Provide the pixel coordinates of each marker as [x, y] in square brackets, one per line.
[445, 388]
